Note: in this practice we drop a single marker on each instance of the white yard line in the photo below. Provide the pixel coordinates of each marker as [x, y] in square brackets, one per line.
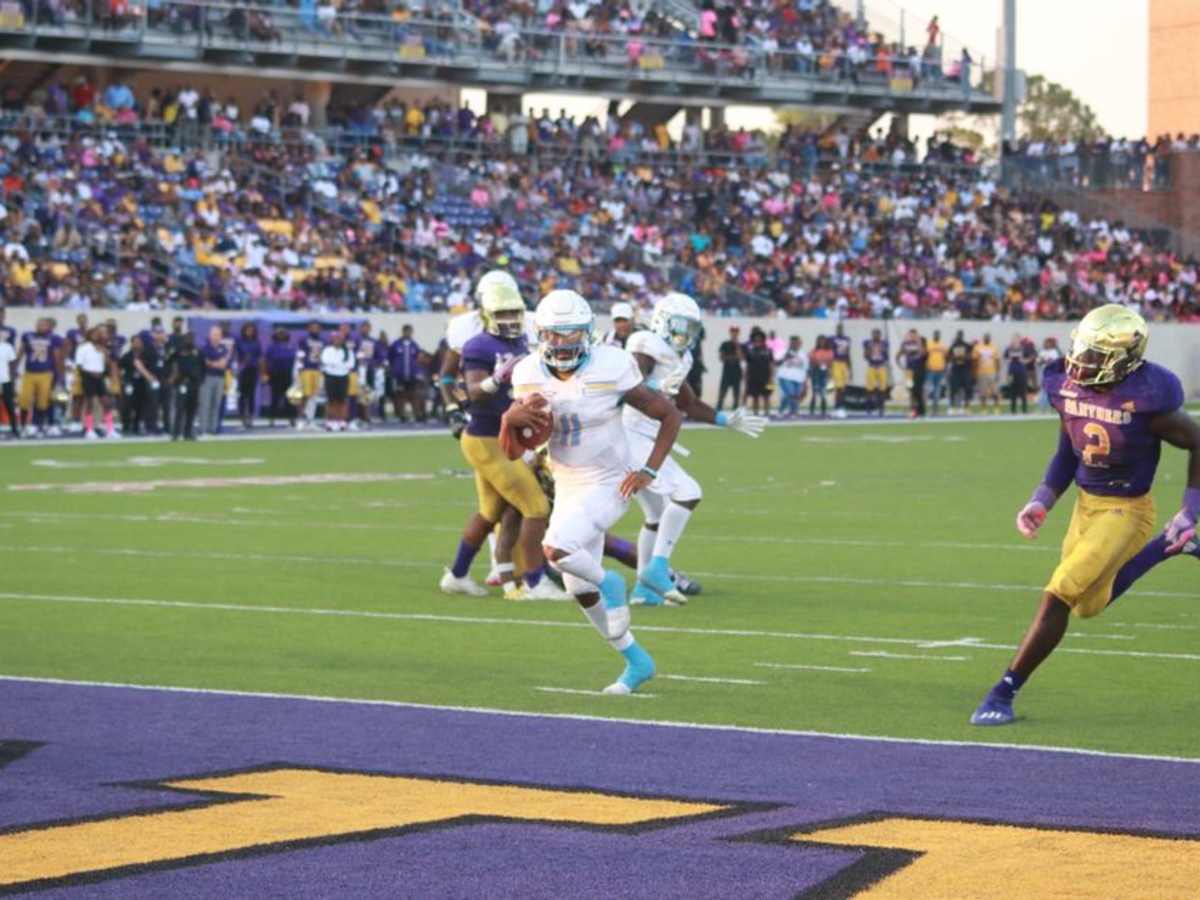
[885, 583]
[884, 654]
[539, 623]
[770, 665]
[563, 690]
[579, 717]
[707, 680]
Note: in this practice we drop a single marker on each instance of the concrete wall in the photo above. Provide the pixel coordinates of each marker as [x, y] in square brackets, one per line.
[1173, 345]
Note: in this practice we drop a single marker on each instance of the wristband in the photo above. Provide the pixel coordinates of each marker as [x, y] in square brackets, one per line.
[489, 385]
[721, 419]
[1044, 495]
[647, 470]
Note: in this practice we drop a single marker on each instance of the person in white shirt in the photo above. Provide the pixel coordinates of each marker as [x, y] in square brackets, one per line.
[93, 364]
[583, 388]
[793, 376]
[337, 362]
[8, 373]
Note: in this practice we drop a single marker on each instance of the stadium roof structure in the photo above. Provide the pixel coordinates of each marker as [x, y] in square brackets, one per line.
[381, 51]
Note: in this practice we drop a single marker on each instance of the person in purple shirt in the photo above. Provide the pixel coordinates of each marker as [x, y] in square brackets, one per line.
[279, 362]
[217, 357]
[406, 361]
[876, 352]
[369, 353]
[1116, 409]
[248, 353]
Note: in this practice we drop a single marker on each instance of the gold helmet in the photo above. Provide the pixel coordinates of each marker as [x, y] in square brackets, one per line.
[295, 395]
[502, 310]
[1106, 346]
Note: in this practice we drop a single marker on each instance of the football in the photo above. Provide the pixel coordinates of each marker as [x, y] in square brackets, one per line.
[519, 433]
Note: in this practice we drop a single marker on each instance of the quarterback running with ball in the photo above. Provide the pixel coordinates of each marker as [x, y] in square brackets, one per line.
[583, 387]
[664, 357]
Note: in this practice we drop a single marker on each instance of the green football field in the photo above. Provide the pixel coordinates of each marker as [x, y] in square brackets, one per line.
[860, 579]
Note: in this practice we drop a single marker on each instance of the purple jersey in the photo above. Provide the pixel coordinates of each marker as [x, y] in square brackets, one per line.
[1110, 430]
[8, 335]
[487, 353]
[368, 350]
[311, 347]
[404, 356]
[841, 348]
[39, 351]
[876, 352]
[116, 344]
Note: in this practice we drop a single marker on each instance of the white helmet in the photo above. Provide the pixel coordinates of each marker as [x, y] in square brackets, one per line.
[622, 311]
[501, 310]
[489, 279]
[564, 328]
[676, 319]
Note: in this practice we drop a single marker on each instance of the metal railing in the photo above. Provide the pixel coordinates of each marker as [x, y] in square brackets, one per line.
[1097, 170]
[464, 42]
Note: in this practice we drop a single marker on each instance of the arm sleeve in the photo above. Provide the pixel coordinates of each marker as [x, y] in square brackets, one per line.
[1061, 470]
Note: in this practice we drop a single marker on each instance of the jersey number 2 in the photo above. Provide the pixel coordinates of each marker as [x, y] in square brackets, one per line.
[569, 430]
[1096, 455]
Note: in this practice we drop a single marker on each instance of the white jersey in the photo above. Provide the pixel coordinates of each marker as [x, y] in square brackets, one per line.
[588, 445]
[466, 325]
[669, 372]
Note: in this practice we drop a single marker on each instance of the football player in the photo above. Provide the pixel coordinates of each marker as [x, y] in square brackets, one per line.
[664, 357]
[488, 360]
[583, 387]
[41, 351]
[459, 330]
[1116, 409]
[875, 349]
[842, 369]
[307, 372]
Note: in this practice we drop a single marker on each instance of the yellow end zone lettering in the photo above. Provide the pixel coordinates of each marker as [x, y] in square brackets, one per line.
[985, 861]
[260, 809]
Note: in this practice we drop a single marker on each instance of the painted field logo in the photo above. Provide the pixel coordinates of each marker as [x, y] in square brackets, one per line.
[277, 808]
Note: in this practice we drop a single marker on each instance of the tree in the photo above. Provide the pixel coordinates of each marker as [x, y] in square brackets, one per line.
[1053, 112]
[1049, 112]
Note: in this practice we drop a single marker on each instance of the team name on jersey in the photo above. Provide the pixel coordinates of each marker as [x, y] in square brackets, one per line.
[1094, 411]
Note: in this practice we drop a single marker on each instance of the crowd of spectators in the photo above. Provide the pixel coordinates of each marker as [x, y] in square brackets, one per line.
[270, 215]
[739, 38]
[1106, 162]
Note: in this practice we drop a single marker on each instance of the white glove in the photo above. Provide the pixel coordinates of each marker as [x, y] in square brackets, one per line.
[742, 421]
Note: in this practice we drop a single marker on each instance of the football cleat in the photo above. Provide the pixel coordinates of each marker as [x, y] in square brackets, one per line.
[493, 578]
[644, 596]
[54, 431]
[465, 585]
[90, 435]
[993, 711]
[515, 590]
[686, 586]
[657, 578]
[639, 668]
[545, 589]
[1192, 547]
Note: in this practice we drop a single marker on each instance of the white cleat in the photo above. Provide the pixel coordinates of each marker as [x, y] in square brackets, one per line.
[90, 435]
[112, 435]
[54, 431]
[617, 688]
[493, 578]
[546, 590]
[465, 585]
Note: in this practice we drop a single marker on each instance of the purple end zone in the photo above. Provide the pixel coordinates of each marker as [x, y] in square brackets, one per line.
[96, 740]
